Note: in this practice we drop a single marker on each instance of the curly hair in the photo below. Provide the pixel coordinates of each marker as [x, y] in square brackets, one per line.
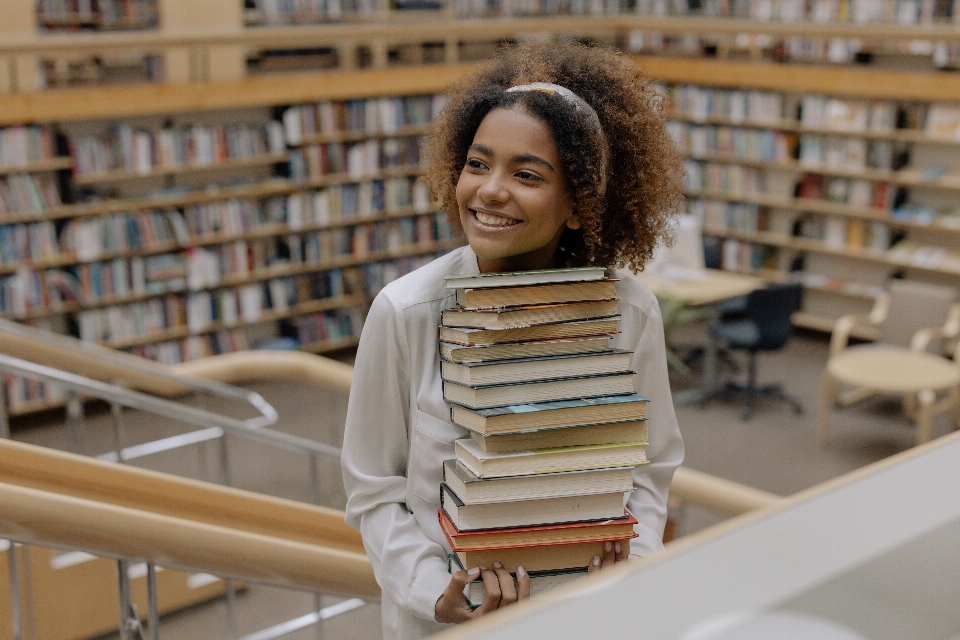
[619, 226]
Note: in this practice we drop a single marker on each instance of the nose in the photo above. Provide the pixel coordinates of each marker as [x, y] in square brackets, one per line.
[492, 188]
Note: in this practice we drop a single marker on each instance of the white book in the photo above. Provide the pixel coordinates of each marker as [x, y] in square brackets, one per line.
[292, 129]
[295, 203]
[143, 153]
[251, 302]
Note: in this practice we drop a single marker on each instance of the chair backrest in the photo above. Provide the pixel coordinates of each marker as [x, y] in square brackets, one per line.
[914, 306]
[771, 309]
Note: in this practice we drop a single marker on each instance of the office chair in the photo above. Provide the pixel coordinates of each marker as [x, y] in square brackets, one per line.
[766, 327]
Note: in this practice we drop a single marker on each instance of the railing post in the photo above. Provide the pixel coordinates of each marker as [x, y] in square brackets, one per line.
[16, 605]
[75, 422]
[231, 610]
[4, 416]
[152, 615]
[224, 461]
[129, 620]
[314, 479]
[116, 412]
[318, 607]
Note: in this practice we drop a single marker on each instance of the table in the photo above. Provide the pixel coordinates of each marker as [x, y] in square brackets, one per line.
[892, 370]
[704, 289]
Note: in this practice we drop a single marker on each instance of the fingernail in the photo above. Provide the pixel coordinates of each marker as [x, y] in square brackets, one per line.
[474, 572]
[521, 571]
[497, 565]
[596, 561]
[607, 546]
[618, 548]
[482, 568]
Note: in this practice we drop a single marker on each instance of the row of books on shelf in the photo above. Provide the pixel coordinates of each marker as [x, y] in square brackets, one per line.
[372, 116]
[919, 254]
[39, 290]
[331, 326]
[518, 8]
[738, 106]
[194, 347]
[553, 427]
[839, 233]
[855, 192]
[851, 153]
[743, 256]
[357, 201]
[721, 177]
[904, 12]
[281, 12]
[26, 144]
[357, 160]
[53, 15]
[768, 145]
[28, 193]
[142, 151]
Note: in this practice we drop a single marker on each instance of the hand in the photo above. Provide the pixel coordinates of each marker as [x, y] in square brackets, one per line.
[452, 606]
[613, 552]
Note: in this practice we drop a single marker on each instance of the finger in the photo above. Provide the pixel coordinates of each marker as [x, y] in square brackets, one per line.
[452, 606]
[508, 592]
[523, 584]
[491, 597]
[621, 551]
[609, 555]
[594, 565]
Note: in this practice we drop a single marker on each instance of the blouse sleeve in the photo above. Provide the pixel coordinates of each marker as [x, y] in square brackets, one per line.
[643, 332]
[410, 567]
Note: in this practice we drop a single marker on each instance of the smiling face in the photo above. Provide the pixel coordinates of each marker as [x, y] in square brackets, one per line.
[512, 195]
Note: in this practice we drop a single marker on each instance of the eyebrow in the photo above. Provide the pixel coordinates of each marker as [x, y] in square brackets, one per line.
[523, 157]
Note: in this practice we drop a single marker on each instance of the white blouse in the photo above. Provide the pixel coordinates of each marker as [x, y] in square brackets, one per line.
[398, 433]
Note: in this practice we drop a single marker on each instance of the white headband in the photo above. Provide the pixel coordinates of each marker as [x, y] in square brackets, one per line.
[581, 105]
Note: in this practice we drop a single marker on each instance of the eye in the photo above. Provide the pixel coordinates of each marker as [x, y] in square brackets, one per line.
[473, 163]
[529, 176]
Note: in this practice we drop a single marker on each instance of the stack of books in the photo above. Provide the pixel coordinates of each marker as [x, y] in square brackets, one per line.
[555, 426]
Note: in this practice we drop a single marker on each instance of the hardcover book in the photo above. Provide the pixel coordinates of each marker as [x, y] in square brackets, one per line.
[538, 368]
[526, 513]
[551, 557]
[579, 329]
[609, 433]
[495, 395]
[526, 316]
[474, 490]
[515, 278]
[484, 353]
[546, 415]
[534, 536]
[485, 464]
[498, 297]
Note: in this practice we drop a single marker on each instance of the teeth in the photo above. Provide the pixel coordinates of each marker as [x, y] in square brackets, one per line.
[496, 221]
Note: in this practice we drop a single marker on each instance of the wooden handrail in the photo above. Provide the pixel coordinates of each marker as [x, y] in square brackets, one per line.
[719, 495]
[62, 499]
[242, 367]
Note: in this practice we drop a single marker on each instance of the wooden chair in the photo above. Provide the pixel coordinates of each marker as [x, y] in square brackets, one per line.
[913, 320]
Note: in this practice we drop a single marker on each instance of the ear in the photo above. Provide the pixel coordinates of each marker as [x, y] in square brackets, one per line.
[573, 222]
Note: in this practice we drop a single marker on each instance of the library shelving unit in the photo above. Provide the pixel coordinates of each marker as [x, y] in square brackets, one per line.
[186, 231]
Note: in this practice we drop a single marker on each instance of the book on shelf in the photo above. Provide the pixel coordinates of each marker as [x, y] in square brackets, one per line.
[943, 121]
[551, 557]
[499, 395]
[566, 436]
[525, 295]
[531, 349]
[545, 415]
[524, 513]
[540, 582]
[537, 535]
[472, 489]
[512, 317]
[516, 278]
[536, 368]
[559, 330]
[495, 464]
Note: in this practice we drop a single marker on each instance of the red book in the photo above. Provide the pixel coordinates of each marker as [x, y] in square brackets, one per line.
[550, 534]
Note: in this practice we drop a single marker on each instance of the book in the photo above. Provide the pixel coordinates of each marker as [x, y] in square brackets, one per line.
[545, 415]
[475, 490]
[497, 297]
[525, 316]
[522, 513]
[494, 464]
[498, 395]
[516, 278]
[538, 535]
[609, 433]
[552, 557]
[538, 368]
[540, 582]
[579, 329]
[482, 353]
